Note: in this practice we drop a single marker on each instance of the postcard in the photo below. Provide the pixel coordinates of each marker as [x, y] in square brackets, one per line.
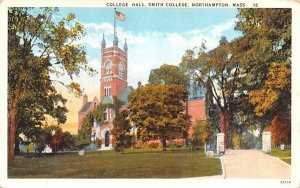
[150, 93]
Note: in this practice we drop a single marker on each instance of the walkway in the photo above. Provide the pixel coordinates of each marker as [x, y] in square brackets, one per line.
[254, 164]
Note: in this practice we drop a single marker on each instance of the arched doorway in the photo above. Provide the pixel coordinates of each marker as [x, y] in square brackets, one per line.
[107, 138]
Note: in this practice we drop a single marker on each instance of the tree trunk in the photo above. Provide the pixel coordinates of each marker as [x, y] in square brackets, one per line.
[224, 126]
[164, 143]
[12, 127]
[17, 149]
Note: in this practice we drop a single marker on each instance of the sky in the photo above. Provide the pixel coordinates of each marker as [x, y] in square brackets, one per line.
[155, 36]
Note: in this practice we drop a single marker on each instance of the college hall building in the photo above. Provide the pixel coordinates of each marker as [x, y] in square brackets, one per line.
[113, 82]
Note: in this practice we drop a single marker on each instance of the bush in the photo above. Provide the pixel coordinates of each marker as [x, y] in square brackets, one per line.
[140, 144]
[236, 141]
[153, 144]
[200, 135]
[123, 142]
[177, 143]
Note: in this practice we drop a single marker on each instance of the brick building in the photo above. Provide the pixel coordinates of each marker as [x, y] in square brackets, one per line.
[196, 104]
[113, 82]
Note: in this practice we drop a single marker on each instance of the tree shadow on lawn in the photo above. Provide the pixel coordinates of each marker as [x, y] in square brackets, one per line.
[159, 150]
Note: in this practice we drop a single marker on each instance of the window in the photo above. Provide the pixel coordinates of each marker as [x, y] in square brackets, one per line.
[107, 91]
[105, 114]
[108, 67]
[121, 70]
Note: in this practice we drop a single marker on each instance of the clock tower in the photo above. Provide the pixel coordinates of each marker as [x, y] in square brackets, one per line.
[113, 77]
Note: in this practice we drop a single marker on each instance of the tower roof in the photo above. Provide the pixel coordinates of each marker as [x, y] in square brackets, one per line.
[115, 41]
[103, 43]
[125, 45]
[125, 93]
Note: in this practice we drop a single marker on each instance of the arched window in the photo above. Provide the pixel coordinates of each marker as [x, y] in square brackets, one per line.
[108, 67]
[121, 70]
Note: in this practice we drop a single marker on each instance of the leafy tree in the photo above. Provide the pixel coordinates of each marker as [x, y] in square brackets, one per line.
[40, 50]
[69, 140]
[218, 71]
[57, 140]
[281, 130]
[265, 50]
[168, 74]
[84, 134]
[157, 111]
[42, 138]
[249, 78]
[121, 131]
[200, 134]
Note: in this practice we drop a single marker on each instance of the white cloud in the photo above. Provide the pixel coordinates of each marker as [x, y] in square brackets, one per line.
[149, 50]
[146, 51]
[103, 27]
[217, 30]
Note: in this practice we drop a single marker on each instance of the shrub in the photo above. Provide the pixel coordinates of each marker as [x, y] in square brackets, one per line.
[200, 135]
[140, 144]
[236, 141]
[179, 143]
[153, 144]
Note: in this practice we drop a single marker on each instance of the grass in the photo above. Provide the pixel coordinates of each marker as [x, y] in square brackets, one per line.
[109, 164]
[283, 155]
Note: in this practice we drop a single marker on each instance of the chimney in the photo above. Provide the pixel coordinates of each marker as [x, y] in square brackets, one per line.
[84, 99]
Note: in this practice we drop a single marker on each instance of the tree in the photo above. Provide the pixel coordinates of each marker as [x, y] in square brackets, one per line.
[157, 111]
[265, 50]
[200, 134]
[84, 134]
[218, 71]
[69, 140]
[42, 138]
[281, 130]
[57, 140]
[121, 131]
[168, 74]
[40, 50]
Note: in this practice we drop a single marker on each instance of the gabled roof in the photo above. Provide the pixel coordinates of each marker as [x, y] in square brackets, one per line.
[85, 108]
[107, 100]
[125, 93]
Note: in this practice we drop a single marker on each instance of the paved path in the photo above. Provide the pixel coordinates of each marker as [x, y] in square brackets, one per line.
[254, 164]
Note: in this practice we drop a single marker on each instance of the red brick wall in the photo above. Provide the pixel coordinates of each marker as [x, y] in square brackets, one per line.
[81, 117]
[116, 56]
[196, 109]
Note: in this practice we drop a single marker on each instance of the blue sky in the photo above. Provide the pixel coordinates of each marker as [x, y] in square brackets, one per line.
[155, 36]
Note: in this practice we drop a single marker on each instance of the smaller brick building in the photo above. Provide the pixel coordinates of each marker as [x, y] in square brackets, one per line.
[85, 108]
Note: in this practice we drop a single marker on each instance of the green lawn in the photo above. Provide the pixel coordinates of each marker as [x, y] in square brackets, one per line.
[109, 164]
[283, 155]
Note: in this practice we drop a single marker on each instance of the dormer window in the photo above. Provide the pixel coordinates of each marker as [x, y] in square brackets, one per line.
[108, 67]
